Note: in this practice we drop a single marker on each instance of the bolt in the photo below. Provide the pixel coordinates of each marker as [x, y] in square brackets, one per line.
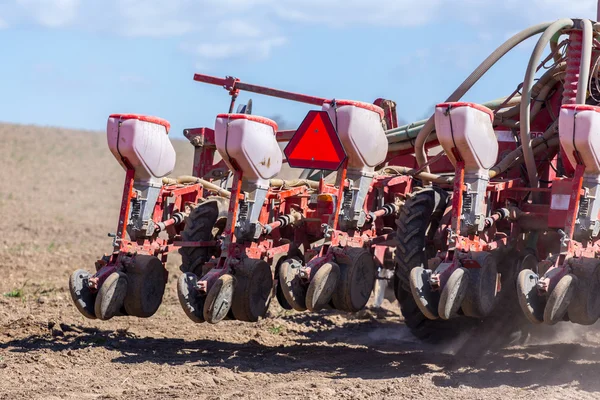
[543, 285]
[434, 280]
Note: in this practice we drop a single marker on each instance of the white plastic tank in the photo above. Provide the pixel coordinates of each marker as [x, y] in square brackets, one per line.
[465, 130]
[579, 131]
[143, 141]
[248, 143]
[360, 129]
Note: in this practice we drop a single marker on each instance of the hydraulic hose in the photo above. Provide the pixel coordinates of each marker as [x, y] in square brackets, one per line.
[554, 45]
[421, 175]
[515, 158]
[192, 179]
[401, 138]
[505, 107]
[408, 144]
[517, 154]
[420, 154]
[410, 131]
[525, 112]
[540, 91]
[294, 183]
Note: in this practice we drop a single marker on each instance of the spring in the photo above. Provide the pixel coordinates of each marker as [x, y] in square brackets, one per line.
[467, 203]
[347, 199]
[136, 208]
[243, 215]
[572, 71]
[284, 220]
[584, 205]
[389, 209]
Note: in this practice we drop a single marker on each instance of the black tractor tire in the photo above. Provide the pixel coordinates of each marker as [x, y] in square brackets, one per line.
[206, 222]
[417, 223]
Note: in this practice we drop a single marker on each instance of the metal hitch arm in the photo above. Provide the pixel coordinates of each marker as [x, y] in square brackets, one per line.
[234, 85]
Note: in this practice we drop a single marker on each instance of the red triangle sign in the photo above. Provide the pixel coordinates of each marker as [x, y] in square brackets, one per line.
[315, 144]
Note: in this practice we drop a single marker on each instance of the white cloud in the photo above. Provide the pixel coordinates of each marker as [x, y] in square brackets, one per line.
[341, 13]
[51, 13]
[255, 50]
[239, 27]
[541, 10]
[255, 29]
[153, 18]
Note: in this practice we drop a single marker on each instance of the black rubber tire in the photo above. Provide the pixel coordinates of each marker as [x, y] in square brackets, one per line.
[482, 281]
[321, 287]
[356, 281]
[146, 282]
[418, 220]
[110, 297]
[217, 303]
[206, 221]
[253, 290]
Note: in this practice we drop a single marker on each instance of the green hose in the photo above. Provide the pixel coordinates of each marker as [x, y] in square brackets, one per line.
[410, 131]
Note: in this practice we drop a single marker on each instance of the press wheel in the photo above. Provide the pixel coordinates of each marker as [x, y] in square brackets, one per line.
[357, 279]
[482, 291]
[585, 305]
[109, 299]
[253, 289]
[146, 282]
[559, 299]
[454, 293]
[321, 286]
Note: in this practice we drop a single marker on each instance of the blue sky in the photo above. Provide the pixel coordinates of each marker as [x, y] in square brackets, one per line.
[71, 63]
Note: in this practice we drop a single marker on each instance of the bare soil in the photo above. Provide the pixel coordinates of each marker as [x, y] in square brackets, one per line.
[59, 198]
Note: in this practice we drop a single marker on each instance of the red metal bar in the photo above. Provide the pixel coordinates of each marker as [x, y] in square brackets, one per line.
[389, 109]
[381, 239]
[233, 85]
[457, 201]
[571, 81]
[340, 193]
[573, 206]
[203, 140]
[233, 210]
[209, 243]
[285, 136]
[125, 204]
